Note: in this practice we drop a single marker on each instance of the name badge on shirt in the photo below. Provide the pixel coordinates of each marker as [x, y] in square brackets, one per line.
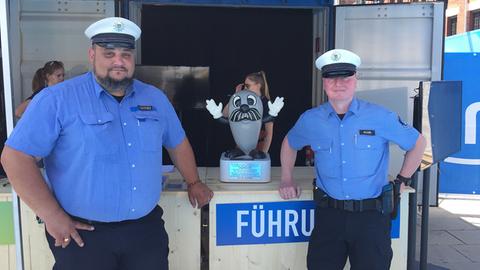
[368, 132]
[143, 108]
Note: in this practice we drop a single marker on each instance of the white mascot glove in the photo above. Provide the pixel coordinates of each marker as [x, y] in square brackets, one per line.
[275, 107]
[215, 111]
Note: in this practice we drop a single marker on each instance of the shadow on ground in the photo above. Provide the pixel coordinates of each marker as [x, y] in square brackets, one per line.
[430, 266]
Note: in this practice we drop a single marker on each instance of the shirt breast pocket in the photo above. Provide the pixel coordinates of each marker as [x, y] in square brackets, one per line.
[369, 151]
[324, 159]
[150, 130]
[98, 133]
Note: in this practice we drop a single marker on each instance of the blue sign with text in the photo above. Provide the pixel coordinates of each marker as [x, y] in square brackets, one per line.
[459, 173]
[269, 222]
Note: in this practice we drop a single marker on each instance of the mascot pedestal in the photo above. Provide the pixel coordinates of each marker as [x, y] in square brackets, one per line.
[245, 116]
[245, 171]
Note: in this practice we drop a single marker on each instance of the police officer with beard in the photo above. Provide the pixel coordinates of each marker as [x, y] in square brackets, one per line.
[101, 136]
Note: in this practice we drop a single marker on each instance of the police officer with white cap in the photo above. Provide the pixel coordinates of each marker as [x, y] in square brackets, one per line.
[350, 138]
[101, 136]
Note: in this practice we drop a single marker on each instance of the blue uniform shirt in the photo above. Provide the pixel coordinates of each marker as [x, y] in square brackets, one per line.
[103, 159]
[351, 155]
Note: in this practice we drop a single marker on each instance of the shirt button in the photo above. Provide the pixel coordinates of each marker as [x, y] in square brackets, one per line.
[343, 161]
[99, 121]
[347, 196]
[134, 188]
[133, 209]
[344, 179]
[129, 144]
[124, 123]
[133, 165]
[342, 144]
[341, 125]
[368, 146]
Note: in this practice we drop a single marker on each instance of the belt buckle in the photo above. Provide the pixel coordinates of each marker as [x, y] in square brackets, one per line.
[348, 205]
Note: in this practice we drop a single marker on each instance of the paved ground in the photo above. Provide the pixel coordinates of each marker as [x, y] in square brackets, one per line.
[454, 233]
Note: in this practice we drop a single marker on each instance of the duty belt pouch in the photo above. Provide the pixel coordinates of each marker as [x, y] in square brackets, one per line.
[396, 199]
[388, 199]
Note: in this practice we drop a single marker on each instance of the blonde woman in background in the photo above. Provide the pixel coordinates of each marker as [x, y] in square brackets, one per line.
[257, 82]
[50, 74]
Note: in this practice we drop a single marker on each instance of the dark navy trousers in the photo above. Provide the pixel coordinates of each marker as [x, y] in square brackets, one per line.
[363, 237]
[127, 245]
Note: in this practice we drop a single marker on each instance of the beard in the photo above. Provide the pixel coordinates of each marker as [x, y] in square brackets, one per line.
[113, 85]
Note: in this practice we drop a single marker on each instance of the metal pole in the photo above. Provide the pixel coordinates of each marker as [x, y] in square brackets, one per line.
[125, 12]
[412, 224]
[117, 7]
[7, 90]
[413, 197]
[425, 215]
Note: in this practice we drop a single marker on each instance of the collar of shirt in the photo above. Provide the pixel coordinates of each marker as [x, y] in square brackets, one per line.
[99, 89]
[353, 109]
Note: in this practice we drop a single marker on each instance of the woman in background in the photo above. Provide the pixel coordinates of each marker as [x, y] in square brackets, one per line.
[257, 82]
[50, 74]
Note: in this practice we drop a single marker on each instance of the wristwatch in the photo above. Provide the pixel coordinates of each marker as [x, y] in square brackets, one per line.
[405, 180]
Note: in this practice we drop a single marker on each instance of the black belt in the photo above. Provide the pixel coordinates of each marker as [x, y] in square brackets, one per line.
[354, 205]
[325, 201]
[122, 222]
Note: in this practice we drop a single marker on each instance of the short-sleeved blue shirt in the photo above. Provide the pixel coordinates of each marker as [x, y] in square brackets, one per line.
[103, 159]
[351, 155]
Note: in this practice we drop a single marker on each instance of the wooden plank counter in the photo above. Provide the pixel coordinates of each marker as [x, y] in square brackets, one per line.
[276, 255]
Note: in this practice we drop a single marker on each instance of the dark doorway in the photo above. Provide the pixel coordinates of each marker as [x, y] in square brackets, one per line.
[233, 42]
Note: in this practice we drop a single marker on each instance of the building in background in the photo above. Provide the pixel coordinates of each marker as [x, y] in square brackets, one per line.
[461, 15]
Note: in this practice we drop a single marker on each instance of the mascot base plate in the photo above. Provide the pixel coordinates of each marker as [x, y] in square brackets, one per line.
[245, 171]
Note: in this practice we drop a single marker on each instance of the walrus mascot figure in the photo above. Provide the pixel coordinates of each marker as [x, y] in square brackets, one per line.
[245, 117]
